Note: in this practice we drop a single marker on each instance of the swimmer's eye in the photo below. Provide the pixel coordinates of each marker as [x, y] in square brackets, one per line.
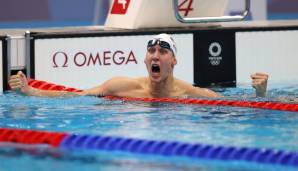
[151, 50]
[163, 51]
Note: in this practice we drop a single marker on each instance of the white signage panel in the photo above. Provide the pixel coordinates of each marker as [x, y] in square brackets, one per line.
[86, 62]
[1, 70]
[272, 52]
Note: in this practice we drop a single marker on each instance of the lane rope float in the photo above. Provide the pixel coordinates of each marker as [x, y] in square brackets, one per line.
[211, 102]
[153, 147]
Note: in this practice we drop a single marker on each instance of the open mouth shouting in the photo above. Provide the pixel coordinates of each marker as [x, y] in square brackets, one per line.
[155, 70]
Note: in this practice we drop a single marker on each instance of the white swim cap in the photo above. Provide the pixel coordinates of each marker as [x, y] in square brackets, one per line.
[165, 41]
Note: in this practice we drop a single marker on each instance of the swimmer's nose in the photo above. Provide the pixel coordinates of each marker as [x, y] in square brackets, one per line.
[156, 56]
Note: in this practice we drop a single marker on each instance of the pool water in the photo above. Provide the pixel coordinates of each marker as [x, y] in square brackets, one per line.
[215, 125]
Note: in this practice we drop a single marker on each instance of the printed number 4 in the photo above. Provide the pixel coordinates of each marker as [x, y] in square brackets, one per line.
[123, 2]
[187, 8]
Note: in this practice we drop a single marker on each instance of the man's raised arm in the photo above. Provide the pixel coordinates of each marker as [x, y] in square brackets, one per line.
[19, 83]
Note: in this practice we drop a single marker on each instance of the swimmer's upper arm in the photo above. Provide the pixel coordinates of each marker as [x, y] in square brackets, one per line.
[203, 92]
[113, 87]
[191, 90]
[118, 85]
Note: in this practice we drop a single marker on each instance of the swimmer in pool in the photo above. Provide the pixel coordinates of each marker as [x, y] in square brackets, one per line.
[160, 62]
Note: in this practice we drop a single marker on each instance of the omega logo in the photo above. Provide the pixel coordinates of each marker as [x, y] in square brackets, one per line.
[83, 59]
[215, 52]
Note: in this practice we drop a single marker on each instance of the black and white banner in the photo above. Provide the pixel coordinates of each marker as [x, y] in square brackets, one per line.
[85, 62]
[214, 58]
[208, 57]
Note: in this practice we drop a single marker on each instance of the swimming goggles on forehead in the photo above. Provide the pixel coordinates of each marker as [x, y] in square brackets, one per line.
[161, 43]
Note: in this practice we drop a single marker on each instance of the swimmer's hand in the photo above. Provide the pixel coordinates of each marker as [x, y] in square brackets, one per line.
[259, 82]
[19, 82]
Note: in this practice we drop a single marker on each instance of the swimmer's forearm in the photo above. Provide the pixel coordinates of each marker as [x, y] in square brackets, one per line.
[260, 93]
[50, 93]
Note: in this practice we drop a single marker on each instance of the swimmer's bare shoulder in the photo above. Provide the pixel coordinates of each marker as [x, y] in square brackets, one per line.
[116, 86]
[190, 90]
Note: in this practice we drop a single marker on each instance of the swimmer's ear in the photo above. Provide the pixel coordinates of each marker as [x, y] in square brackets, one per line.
[145, 59]
[174, 62]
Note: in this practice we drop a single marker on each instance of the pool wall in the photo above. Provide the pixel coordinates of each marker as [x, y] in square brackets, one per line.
[224, 55]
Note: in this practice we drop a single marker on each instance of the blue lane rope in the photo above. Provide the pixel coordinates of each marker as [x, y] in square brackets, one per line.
[153, 147]
[178, 149]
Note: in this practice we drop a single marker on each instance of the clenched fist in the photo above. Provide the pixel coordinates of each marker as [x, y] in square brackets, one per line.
[259, 82]
[19, 82]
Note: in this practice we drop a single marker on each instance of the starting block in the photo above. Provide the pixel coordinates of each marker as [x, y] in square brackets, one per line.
[135, 14]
